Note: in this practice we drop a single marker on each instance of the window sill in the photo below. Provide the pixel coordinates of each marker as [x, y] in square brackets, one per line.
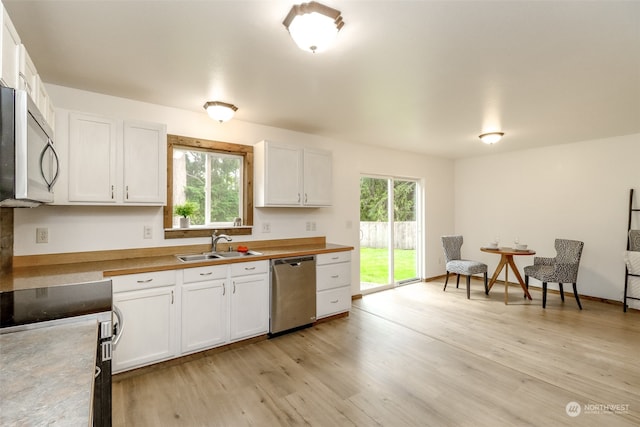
[181, 233]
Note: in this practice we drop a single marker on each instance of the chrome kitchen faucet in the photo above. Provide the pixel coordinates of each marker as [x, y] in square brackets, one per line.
[214, 240]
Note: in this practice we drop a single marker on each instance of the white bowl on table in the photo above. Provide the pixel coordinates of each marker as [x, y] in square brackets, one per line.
[520, 247]
[492, 245]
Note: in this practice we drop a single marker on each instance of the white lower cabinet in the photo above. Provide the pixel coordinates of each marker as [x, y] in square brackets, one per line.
[149, 318]
[333, 283]
[204, 308]
[249, 300]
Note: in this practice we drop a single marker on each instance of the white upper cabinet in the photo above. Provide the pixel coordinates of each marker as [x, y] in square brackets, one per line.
[318, 177]
[28, 74]
[18, 71]
[291, 176]
[92, 158]
[145, 163]
[10, 58]
[115, 162]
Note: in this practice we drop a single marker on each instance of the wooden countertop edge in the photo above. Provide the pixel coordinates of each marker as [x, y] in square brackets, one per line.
[174, 264]
[88, 269]
[121, 254]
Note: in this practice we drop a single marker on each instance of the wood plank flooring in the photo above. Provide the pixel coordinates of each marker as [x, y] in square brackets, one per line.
[412, 356]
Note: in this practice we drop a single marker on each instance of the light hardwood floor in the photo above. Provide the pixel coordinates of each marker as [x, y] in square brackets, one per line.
[412, 356]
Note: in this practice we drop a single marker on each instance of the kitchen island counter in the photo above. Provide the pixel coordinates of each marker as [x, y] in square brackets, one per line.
[47, 374]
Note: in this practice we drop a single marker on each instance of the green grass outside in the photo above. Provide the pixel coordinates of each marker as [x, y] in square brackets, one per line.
[374, 265]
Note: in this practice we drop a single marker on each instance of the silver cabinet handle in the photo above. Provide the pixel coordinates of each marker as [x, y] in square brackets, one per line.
[249, 268]
[234, 286]
[126, 189]
[145, 281]
[113, 189]
[335, 276]
[224, 289]
[171, 297]
[305, 197]
[206, 274]
[334, 301]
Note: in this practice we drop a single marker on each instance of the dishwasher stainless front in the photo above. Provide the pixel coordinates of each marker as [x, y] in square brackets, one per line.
[293, 293]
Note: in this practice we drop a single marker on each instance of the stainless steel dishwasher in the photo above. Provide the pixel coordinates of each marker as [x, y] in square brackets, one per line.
[293, 293]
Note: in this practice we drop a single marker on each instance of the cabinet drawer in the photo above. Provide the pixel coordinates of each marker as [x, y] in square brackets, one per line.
[333, 301]
[210, 272]
[246, 268]
[154, 279]
[333, 276]
[333, 257]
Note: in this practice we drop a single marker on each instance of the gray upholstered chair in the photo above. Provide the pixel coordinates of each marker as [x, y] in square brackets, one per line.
[455, 264]
[561, 269]
[634, 240]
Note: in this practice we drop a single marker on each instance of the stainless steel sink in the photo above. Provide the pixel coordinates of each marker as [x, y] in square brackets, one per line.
[209, 256]
[197, 257]
[235, 254]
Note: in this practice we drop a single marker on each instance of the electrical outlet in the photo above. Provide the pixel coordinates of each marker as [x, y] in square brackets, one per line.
[42, 235]
[266, 227]
[308, 226]
[313, 226]
[148, 232]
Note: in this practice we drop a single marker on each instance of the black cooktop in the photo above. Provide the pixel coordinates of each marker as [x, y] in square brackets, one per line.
[26, 306]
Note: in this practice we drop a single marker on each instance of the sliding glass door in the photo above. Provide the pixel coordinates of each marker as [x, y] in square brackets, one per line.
[389, 230]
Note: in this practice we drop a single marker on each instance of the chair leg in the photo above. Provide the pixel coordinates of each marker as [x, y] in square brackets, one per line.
[457, 281]
[561, 292]
[544, 294]
[526, 283]
[575, 292]
[486, 287]
[446, 280]
[469, 286]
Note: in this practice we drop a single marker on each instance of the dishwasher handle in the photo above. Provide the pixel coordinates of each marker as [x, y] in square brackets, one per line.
[294, 262]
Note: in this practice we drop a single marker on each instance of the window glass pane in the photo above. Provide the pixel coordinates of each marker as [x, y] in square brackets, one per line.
[212, 181]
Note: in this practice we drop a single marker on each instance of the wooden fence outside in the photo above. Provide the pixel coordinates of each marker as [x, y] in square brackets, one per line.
[376, 234]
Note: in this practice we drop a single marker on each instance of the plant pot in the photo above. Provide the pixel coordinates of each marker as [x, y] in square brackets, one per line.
[184, 222]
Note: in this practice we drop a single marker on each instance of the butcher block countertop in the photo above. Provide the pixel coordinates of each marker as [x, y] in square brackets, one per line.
[82, 267]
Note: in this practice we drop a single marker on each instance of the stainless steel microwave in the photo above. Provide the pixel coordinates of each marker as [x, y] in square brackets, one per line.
[29, 164]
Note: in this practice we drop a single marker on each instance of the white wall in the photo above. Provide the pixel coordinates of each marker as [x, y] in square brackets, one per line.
[76, 228]
[576, 191]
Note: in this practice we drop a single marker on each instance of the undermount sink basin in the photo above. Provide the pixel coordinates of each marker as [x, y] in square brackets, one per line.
[215, 255]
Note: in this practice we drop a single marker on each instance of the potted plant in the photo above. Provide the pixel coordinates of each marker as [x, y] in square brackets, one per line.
[185, 211]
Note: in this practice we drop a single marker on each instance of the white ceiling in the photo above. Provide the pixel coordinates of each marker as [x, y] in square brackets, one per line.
[423, 76]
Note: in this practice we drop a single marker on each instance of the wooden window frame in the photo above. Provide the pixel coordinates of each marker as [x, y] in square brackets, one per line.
[246, 151]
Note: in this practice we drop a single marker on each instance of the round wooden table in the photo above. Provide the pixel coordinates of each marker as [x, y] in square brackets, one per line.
[506, 259]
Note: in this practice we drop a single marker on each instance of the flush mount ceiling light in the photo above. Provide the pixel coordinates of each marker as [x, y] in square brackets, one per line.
[313, 26]
[220, 111]
[491, 137]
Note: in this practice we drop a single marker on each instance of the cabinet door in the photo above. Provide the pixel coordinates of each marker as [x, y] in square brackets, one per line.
[92, 158]
[204, 315]
[148, 327]
[282, 180]
[145, 159]
[318, 178]
[249, 306]
[28, 74]
[10, 60]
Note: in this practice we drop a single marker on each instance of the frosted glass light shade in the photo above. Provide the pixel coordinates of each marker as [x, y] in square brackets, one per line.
[313, 26]
[220, 111]
[491, 137]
